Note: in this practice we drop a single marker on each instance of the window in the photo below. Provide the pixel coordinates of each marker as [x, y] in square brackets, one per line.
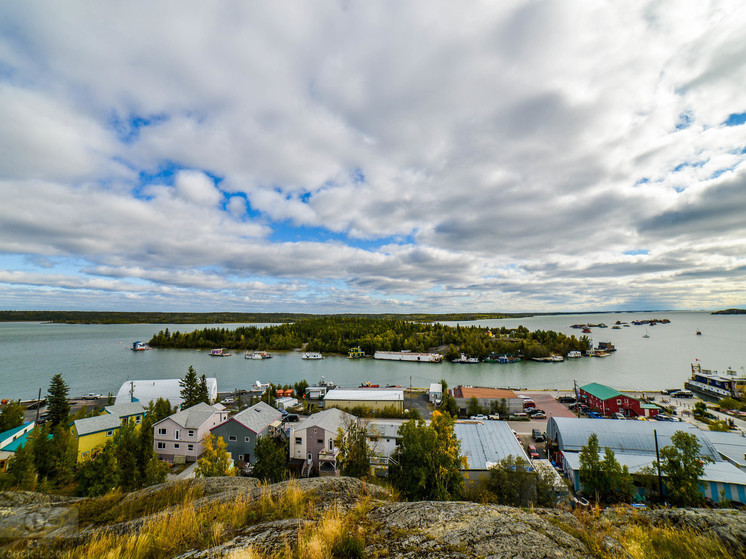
[618, 402]
[176, 435]
[232, 438]
[138, 419]
[320, 441]
[247, 439]
[298, 440]
[161, 446]
[109, 433]
[240, 456]
[190, 447]
[331, 444]
[190, 433]
[177, 445]
[161, 431]
[315, 430]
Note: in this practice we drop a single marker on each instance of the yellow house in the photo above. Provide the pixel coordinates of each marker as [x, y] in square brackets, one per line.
[92, 433]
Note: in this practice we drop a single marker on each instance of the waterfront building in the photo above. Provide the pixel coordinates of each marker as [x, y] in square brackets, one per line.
[606, 400]
[146, 391]
[241, 431]
[179, 437]
[436, 393]
[372, 398]
[634, 446]
[485, 398]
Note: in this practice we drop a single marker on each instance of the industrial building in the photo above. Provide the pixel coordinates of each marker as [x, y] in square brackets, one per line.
[373, 398]
[606, 400]
[485, 397]
[145, 391]
[634, 446]
[485, 444]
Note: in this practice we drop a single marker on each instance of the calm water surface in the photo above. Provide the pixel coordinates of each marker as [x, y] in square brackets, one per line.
[96, 358]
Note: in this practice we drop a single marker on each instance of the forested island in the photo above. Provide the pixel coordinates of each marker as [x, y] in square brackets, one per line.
[107, 317]
[731, 311]
[337, 334]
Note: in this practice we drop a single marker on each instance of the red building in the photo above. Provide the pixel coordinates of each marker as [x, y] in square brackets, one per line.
[606, 400]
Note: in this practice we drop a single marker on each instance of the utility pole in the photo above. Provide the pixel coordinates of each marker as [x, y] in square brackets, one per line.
[658, 462]
[410, 392]
[577, 400]
[38, 406]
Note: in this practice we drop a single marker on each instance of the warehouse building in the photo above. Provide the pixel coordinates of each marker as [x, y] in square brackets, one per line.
[373, 398]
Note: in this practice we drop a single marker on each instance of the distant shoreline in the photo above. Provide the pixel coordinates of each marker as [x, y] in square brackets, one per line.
[114, 317]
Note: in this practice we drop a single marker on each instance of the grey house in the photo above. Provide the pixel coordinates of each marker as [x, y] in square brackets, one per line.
[312, 444]
[241, 431]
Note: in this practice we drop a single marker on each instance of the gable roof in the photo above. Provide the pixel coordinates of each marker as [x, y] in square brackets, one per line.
[194, 417]
[125, 410]
[485, 444]
[12, 439]
[329, 420]
[89, 425]
[603, 392]
[257, 417]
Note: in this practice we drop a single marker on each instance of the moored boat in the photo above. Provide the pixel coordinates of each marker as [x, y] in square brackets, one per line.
[465, 360]
[716, 385]
[355, 353]
[312, 355]
[257, 355]
[140, 346]
[220, 352]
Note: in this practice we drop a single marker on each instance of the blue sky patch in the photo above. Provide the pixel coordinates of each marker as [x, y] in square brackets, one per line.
[642, 181]
[685, 120]
[636, 252]
[287, 233]
[128, 129]
[736, 119]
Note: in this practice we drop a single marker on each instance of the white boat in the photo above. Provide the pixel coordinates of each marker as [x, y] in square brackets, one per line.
[574, 354]
[466, 360]
[312, 355]
[257, 355]
[408, 356]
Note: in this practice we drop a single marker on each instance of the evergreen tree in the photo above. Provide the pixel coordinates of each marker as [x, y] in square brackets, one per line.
[216, 460]
[354, 452]
[203, 394]
[189, 389]
[126, 450]
[271, 459]
[22, 469]
[11, 416]
[58, 408]
[682, 465]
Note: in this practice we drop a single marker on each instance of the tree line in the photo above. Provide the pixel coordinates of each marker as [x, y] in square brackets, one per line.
[337, 334]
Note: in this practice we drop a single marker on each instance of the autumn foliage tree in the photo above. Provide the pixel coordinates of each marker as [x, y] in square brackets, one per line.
[216, 460]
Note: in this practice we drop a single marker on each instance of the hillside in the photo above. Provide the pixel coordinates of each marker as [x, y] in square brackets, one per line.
[344, 517]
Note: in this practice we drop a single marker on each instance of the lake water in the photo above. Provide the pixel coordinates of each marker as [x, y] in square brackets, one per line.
[96, 358]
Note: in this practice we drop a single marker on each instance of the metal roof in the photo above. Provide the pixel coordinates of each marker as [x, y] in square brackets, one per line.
[730, 445]
[486, 443]
[365, 395]
[623, 437]
[436, 388]
[257, 417]
[601, 391]
[146, 391]
[384, 429]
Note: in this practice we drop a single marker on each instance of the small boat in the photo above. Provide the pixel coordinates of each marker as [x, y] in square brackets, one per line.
[699, 333]
[646, 334]
[466, 360]
[369, 385]
[220, 352]
[355, 353]
[586, 330]
[312, 355]
[140, 346]
[574, 354]
[257, 355]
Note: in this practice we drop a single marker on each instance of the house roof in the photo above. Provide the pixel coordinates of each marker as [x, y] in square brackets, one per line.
[194, 417]
[125, 410]
[365, 394]
[329, 420]
[601, 391]
[730, 445]
[436, 388]
[623, 437]
[12, 439]
[482, 393]
[10, 433]
[485, 444]
[18, 442]
[384, 429]
[257, 417]
[89, 425]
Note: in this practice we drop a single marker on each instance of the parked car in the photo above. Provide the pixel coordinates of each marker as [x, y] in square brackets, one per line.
[519, 416]
[540, 415]
[532, 452]
[594, 415]
[479, 417]
[537, 436]
[566, 399]
[292, 417]
[228, 401]
[534, 411]
[617, 415]
[92, 396]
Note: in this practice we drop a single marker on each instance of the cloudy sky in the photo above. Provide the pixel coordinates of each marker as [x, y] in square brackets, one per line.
[359, 156]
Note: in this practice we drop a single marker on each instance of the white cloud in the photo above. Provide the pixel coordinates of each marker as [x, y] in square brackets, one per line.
[519, 149]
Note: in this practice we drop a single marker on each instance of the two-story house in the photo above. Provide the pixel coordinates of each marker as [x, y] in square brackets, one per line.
[312, 442]
[241, 431]
[179, 437]
[92, 433]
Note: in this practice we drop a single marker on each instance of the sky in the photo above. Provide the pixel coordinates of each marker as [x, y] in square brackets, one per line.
[357, 156]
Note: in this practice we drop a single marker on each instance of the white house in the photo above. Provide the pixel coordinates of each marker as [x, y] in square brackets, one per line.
[179, 436]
